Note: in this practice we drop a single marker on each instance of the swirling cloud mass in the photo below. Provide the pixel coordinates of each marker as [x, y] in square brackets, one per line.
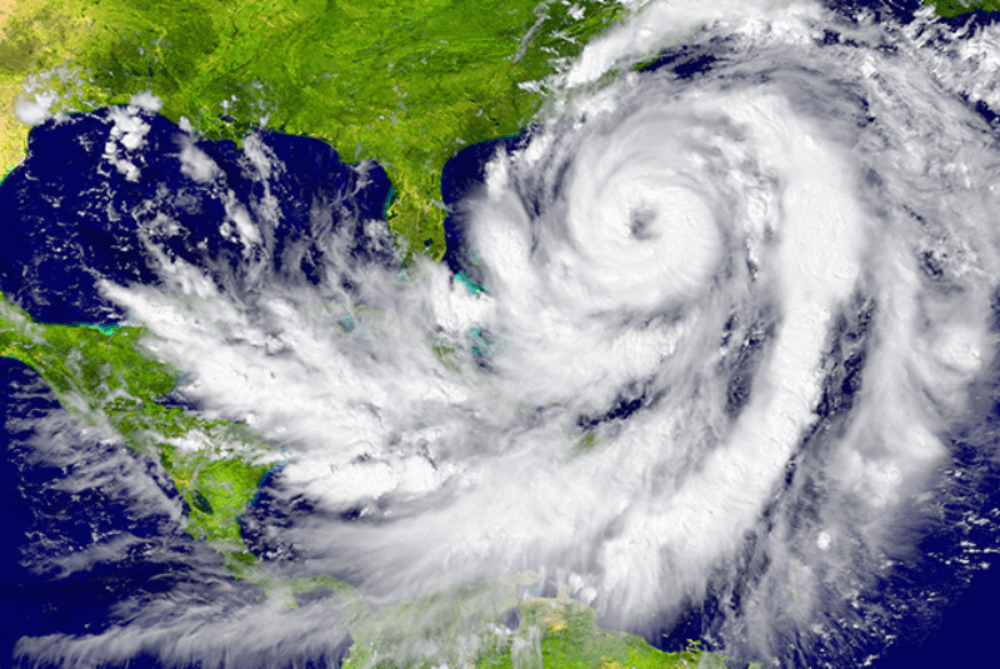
[707, 343]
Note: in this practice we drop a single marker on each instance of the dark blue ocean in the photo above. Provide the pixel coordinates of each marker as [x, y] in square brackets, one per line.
[69, 221]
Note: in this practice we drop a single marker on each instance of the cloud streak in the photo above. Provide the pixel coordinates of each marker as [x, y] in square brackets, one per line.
[727, 328]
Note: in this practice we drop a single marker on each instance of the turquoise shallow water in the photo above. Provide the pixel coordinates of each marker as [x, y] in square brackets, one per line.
[827, 571]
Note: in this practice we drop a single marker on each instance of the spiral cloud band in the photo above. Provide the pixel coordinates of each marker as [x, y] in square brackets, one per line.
[690, 477]
[717, 340]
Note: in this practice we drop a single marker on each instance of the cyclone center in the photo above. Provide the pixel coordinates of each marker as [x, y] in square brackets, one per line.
[668, 233]
[644, 223]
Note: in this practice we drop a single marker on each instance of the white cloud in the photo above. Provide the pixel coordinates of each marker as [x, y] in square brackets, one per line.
[196, 164]
[128, 132]
[692, 247]
[32, 111]
[147, 101]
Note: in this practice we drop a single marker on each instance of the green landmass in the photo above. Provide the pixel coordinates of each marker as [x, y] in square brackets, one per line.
[107, 379]
[104, 377]
[952, 8]
[566, 636]
[407, 82]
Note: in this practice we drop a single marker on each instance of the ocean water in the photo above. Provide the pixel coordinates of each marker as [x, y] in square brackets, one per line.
[712, 349]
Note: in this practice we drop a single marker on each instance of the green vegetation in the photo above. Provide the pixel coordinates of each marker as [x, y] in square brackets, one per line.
[562, 633]
[103, 376]
[566, 636]
[951, 8]
[405, 82]
[585, 444]
[106, 379]
[462, 627]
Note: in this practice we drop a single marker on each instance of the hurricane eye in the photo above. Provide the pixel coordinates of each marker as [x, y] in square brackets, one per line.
[643, 224]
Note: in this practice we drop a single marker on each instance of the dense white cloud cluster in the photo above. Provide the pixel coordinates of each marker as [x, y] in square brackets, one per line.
[684, 280]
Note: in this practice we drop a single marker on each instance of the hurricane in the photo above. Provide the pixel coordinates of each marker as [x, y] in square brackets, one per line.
[711, 350]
